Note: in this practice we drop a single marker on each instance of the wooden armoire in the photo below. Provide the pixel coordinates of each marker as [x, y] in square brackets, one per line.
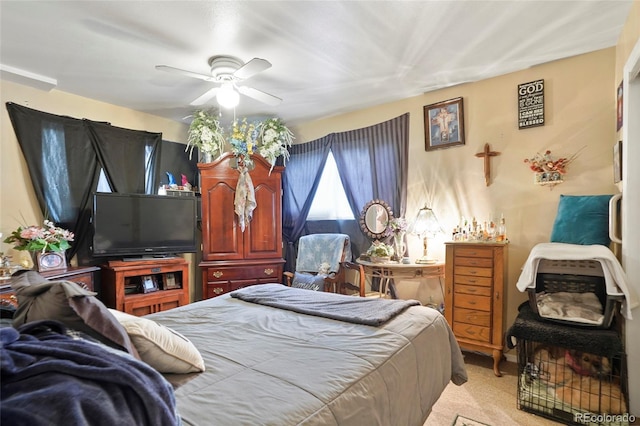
[231, 258]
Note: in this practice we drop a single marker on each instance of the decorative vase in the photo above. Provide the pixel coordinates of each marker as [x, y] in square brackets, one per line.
[380, 259]
[207, 157]
[398, 245]
[49, 260]
[241, 161]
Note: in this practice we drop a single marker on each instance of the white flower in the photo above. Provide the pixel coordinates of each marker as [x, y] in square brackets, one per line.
[206, 134]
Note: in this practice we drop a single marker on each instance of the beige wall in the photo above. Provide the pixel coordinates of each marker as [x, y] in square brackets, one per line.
[579, 111]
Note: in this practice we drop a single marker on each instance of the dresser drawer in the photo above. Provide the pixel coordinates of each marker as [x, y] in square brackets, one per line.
[471, 280]
[261, 272]
[470, 316]
[472, 332]
[473, 271]
[481, 262]
[481, 303]
[213, 289]
[473, 290]
[474, 252]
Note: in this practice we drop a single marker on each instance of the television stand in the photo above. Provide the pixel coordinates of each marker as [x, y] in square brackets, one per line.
[145, 286]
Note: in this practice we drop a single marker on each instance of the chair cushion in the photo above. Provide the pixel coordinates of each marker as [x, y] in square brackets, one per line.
[582, 219]
[308, 281]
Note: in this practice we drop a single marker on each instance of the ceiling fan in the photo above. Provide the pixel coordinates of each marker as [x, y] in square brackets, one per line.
[228, 72]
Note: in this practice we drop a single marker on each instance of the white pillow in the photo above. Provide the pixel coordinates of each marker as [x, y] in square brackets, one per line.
[162, 348]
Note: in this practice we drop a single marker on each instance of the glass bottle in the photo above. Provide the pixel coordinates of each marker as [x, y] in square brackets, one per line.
[502, 230]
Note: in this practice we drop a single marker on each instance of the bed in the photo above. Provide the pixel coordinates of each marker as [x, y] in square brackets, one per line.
[273, 366]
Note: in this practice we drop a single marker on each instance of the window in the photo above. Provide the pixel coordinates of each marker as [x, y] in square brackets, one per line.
[330, 202]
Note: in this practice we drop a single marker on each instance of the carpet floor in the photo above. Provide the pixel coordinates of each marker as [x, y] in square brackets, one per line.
[485, 397]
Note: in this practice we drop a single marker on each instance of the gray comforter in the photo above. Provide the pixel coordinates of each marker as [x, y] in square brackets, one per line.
[270, 366]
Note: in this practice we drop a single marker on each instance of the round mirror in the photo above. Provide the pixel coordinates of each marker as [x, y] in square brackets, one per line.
[374, 219]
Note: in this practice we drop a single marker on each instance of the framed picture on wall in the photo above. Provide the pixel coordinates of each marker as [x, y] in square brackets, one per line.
[619, 107]
[444, 124]
[617, 162]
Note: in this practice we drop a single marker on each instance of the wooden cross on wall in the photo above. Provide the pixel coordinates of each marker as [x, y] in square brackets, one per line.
[487, 154]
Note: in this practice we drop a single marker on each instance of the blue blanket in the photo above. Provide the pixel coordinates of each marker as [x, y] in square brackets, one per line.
[50, 378]
[353, 309]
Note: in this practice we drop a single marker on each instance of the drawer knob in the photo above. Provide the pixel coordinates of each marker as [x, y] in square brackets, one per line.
[218, 274]
[218, 290]
[268, 271]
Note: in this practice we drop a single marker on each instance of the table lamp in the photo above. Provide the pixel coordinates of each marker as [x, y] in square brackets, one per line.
[425, 225]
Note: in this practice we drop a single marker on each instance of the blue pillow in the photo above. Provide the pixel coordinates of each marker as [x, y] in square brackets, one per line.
[582, 219]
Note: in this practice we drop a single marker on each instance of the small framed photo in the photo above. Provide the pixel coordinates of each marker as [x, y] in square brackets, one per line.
[149, 284]
[444, 124]
[170, 281]
[617, 162]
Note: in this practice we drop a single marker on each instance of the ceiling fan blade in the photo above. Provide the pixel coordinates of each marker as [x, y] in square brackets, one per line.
[206, 97]
[259, 95]
[252, 68]
[184, 72]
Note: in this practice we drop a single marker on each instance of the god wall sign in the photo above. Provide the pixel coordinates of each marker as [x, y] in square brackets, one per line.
[531, 104]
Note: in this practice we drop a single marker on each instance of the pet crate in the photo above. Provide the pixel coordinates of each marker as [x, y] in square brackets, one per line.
[577, 278]
[593, 394]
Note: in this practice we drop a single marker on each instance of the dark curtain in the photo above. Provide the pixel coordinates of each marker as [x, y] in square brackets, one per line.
[64, 165]
[299, 184]
[372, 163]
[173, 159]
[128, 157]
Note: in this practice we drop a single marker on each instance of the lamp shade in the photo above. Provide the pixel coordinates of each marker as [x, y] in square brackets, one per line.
[426, 223]
[227, 96]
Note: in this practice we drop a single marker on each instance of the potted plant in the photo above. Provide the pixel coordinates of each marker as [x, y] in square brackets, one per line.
[206, 134]
[46, 244]
[380, 252]
[275, 140]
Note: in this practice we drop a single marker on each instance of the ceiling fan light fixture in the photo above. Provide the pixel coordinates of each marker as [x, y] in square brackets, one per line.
[227, 96]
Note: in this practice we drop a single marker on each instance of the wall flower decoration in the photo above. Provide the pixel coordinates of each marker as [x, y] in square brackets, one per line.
[549, 170]
[206, 134]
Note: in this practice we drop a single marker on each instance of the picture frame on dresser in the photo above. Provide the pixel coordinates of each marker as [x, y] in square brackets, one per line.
[170, 282]
[444, 124]
[149, 284]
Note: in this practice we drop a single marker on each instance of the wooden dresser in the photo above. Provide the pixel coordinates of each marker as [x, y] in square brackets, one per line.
[82, 275]
[231, 258]
[475, 301]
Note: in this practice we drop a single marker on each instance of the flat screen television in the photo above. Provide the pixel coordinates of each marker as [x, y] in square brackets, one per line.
[147, 226]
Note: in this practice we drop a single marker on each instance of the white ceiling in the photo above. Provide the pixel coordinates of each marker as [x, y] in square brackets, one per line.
[328, 57]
